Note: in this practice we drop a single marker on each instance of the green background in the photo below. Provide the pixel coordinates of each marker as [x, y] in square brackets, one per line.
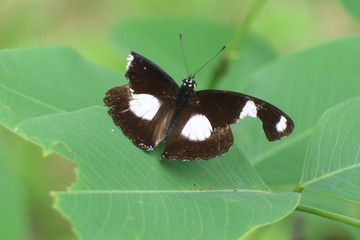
[304, 52]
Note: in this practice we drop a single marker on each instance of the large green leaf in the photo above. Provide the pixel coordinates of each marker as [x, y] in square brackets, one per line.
[173, 215]
[41, 81]
[332, 163]
[64, 114]
[304, 85]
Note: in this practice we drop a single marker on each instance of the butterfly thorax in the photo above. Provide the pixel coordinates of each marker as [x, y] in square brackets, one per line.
[186, 90]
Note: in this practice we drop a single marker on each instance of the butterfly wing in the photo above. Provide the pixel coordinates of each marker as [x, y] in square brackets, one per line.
[203, 130]
[234, 106]
[197, 137]
[144, 107]
[146, 77]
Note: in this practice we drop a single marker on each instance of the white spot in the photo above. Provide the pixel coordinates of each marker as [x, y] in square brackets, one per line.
[281, 125]
[129, 60]
[112, 130]
[144, 106]
[249, 110]
[198, 128]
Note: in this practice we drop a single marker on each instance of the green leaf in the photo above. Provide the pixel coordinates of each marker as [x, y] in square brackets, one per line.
[332, 163]
[40, 81]
[13, 213]
[173, 215]
[71, 123]
[352, 6]
[304, 86]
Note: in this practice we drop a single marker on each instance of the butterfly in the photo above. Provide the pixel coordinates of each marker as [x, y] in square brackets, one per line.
[193, 125]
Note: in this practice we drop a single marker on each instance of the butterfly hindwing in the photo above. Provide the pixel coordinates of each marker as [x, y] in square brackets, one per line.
[197, 137]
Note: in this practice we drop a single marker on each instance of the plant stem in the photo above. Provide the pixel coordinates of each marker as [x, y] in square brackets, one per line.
[246, 26]
[236, 43]
[330, 215]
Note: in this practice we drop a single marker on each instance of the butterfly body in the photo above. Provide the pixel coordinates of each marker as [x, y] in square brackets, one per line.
[186, 91]
[193, 124]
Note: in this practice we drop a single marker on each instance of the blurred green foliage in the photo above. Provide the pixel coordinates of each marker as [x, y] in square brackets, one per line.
[28, 176]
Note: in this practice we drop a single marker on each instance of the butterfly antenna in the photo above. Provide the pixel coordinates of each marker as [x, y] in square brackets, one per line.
[222, 49]
[183, 53]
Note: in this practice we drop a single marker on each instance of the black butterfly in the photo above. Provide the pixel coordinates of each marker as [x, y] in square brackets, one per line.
[193, 124]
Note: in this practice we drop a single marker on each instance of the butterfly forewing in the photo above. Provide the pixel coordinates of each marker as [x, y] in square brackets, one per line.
[146, 77]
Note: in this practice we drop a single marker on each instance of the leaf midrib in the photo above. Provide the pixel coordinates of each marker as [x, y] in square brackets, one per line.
[330, 174]
[155, 191]
[33, 99]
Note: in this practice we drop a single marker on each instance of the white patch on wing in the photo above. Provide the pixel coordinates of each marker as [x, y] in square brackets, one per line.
[198, 128]
[249, 110]
[144, 106]
[281, 125]
[129, 60]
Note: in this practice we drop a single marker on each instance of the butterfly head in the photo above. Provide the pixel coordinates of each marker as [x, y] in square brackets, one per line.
[186, 90]
[189, 82]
